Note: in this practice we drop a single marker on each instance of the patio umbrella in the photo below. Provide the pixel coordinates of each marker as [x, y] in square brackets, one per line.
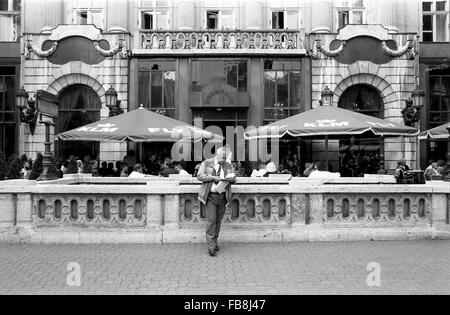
[140, 125]
[439, 132]
[327, 122]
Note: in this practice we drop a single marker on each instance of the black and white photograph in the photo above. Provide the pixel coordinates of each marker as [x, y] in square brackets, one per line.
[228, 154]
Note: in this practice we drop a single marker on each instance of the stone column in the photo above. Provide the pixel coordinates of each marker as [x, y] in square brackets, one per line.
[117, 15]
[321, 16]
[185, 15]
[389, 14]
[253, 14]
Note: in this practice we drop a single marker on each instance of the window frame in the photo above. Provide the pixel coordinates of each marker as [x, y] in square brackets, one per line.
[220, 13]
[434, 13]
[13, 112]
[291, 110]
[285, 12]
[93, 8]
[154, 12]
[351, 9]
[440, 109]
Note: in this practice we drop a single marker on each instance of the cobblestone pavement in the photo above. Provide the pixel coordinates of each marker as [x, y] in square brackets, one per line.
[416, 267]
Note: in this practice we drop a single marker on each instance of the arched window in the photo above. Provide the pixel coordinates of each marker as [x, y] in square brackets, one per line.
[79, 105]
[364, 99]
[361, 156]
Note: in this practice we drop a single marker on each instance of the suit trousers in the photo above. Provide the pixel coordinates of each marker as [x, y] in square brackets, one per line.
[215, 211]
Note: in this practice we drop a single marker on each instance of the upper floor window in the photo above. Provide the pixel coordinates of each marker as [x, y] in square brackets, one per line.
[10, 20]
[435, 21]
[153, 20]
[284, 19]
[219, 19]
[350, 12]
[88, 12]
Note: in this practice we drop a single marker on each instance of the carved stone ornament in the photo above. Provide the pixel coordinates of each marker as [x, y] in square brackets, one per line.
[319, 47]
[119, 48]
[31, 48]
[408, 47]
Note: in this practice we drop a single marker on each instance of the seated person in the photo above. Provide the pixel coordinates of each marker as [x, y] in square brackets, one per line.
[320, 172]
[168, 170]
[138, 172]
[309, 168]
[180, 169]
[259, 172]
[270, 169]
[431, 171]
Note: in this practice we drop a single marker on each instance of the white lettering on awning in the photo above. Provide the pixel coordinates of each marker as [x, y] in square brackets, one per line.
[327, 123]
[105, 128]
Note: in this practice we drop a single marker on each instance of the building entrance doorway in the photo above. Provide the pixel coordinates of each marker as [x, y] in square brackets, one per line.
[79, 105]
[361, 156]
[222, 120]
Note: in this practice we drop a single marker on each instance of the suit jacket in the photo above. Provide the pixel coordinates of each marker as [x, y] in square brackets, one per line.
[206, 174]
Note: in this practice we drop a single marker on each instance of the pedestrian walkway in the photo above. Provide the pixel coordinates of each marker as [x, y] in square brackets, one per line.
[416, 267]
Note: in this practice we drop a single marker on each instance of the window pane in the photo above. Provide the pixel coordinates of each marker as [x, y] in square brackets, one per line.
[3, 5]
[343, 18]
[169, 89]
[97, 19]
[242, 79]
[426, 6]
[427, 36]
[427, 22]
[441, 26]
[82, 17]
[295, 86]
[10, 136]
[227, 20]
[277, 20]
[147, 21]
[357, 17]
[144, 96]
[231, 75]
[282, 88]
[156, 90]
[10, 93]
[211, 19]
[440, 6]
[269, 88]
[161, 20]
[292, 20]
[446, 97]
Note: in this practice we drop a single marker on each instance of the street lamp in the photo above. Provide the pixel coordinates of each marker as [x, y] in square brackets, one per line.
[112, 103]
[27, 109]
[418, 97]
[327, 97]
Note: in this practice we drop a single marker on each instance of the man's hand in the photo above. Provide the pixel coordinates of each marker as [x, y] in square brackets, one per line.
[216, 179]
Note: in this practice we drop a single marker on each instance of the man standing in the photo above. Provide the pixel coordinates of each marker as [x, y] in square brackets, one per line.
[211, 173]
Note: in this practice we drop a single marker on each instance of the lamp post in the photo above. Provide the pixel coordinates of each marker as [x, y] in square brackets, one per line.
[327, 100]
[327, 97]
[112, 103]
[27, 110]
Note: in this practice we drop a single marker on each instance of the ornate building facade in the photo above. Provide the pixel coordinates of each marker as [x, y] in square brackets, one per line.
[223, 63]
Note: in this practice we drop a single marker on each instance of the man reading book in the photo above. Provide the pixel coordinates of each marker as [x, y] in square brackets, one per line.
[215, 193]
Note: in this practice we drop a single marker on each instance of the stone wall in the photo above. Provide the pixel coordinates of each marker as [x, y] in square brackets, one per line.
[82, 209]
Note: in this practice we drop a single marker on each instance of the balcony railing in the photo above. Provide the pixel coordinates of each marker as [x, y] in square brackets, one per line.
[222, 40]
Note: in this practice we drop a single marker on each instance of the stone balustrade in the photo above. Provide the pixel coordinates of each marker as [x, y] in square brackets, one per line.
[87, 209]
[220, 41]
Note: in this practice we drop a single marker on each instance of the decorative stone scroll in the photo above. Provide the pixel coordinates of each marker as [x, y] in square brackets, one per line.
[376, 208]
[119, 48]
[89, 210]
[31, 48]
[319, 47]
[243, 209]
[221, 40]
[408, 47]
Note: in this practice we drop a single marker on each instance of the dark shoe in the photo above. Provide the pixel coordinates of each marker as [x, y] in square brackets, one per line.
[212, 252]
[217, 249]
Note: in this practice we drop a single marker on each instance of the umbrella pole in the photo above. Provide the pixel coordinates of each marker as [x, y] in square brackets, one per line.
[326, 152]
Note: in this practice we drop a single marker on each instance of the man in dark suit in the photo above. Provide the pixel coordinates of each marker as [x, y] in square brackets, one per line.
[211, 173]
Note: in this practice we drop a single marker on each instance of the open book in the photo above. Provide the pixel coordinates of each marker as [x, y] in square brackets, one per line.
[223, 184]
